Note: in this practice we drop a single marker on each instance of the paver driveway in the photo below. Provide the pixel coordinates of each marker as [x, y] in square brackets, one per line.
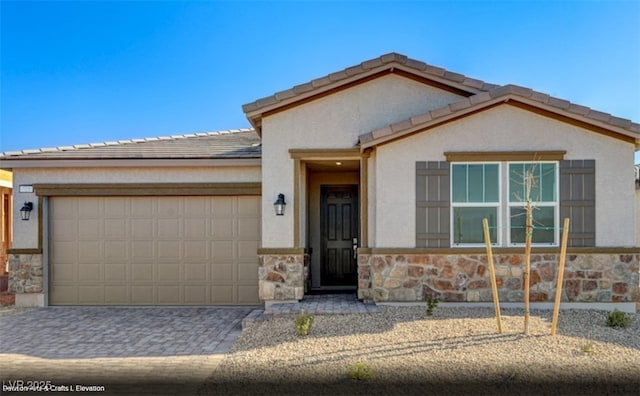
[127, 350]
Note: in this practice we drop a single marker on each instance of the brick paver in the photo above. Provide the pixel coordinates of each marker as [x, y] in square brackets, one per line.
[169, 351]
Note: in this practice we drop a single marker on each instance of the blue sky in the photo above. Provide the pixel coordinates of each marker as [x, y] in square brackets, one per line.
[84, 72]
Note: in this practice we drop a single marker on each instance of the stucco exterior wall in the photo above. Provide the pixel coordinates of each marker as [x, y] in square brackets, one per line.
[26, 232]
[334, 121]
[503, 128]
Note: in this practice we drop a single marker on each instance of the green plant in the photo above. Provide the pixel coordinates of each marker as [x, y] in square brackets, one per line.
[432, 304]
[618, 318]
[360, 371]
[303, 323]
[588, 348]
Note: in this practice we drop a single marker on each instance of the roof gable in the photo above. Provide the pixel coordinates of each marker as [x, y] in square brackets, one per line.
[391, 63]
[515, 95]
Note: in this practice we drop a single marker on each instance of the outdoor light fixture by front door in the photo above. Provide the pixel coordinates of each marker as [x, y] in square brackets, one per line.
[279, 205]
[25, 211]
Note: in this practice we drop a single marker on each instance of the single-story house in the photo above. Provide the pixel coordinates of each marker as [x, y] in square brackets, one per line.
[385, 169]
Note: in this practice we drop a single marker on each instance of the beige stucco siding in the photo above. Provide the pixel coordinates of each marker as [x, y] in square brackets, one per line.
[26, 232]
[503, 128]
[334, 121]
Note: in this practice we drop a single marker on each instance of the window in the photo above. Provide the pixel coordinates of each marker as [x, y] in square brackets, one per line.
[477, 193]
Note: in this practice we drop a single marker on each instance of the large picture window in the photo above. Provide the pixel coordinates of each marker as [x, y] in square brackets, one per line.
[477, 192]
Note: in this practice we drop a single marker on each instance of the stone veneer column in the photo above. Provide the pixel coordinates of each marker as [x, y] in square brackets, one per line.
[26, 279]
[465, 278]
[283, 277]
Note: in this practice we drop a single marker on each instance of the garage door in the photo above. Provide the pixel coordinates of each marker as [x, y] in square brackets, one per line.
[154, 250]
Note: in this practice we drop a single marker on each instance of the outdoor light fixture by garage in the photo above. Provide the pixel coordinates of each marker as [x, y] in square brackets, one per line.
[279, 205]
[25, 211]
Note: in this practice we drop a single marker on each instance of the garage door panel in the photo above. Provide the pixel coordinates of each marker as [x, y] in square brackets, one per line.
[141, 250]
[115, 228]
[143, 295]
[90, 252]
[154, 250]
[91, 294]
[90, 272]
[65, 229]
[223, 272]
[222, 250]
[169, 229]
[196, 207]
[247, 249]
[90, 208]
[65, 272]
[142, 207]
[222, 206]
[170, 294]
[116, 207]
[64, 251]
[195, 271]
[247, 294]
[196, 294]
[115, 251]
[168, 272]
[64, 294]
[249, 229]
[222, 294]
[248, 272]
[142, 229]
[114, 272]
[195, 229]
[222, 228]
[142, 272]
[248, 206]
[117, 295]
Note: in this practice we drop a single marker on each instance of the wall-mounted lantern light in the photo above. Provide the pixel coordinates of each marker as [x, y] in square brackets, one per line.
[279, 205]
[25, 211]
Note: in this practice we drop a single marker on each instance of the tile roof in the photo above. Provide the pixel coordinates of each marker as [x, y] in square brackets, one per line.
[237, 143]
[361, 71]
[497, 95]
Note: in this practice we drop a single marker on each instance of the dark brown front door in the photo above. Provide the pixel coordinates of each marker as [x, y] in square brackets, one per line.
[338, 233]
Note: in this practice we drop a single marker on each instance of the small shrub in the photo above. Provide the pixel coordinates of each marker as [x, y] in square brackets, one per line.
[303, 323]
[360, 372]
[588, 348]
[432, 304]
[618, 319]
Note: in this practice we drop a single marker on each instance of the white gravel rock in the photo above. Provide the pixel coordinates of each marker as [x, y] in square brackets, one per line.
[455, 351]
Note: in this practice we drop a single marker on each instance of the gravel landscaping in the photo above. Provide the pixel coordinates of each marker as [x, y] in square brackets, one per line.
[455, 351]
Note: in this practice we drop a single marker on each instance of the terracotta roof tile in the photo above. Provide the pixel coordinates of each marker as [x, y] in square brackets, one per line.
[239, 143]
[349, 74]
[497, 95]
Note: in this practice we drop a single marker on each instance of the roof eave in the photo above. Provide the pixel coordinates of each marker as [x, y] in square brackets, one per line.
[467, 107]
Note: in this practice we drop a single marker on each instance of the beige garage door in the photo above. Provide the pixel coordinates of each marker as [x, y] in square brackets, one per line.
[154, 250]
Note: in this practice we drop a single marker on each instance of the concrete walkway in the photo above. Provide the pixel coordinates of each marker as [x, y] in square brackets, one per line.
[129, 351]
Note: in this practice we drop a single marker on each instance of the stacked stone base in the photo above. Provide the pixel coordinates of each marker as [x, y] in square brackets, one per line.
[283, 277]
[465, 278]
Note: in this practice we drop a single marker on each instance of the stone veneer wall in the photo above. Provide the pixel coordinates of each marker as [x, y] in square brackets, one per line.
[25, 273]
[283, 277]
[465, 278]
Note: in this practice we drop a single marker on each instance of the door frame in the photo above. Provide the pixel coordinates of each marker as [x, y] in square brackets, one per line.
[355, 219]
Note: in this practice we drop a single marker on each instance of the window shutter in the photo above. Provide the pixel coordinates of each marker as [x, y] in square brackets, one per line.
[432, 204]
[578, 200]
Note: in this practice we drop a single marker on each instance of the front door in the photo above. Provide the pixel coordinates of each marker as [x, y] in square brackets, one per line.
[339, 235]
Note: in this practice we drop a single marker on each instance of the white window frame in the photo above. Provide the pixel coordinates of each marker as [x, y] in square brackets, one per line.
[498, 205]
[504, 205]
[535, 204]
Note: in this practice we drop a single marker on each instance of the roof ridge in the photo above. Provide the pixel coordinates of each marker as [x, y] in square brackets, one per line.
[363, 67]
[121, 142]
